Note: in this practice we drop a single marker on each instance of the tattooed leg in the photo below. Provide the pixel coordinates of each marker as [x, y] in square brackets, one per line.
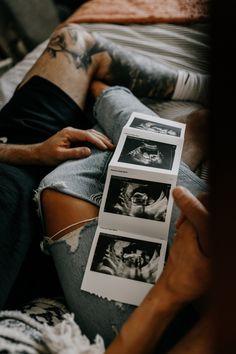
[146, 77]
[68, 62]
[143, 76]
[74, 57]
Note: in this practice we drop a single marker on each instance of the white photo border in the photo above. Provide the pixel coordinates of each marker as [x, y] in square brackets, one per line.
[115, 288]
[136, 225]
[150, 137]
[154, 119]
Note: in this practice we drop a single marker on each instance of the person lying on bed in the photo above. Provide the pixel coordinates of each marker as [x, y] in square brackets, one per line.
[44, 124]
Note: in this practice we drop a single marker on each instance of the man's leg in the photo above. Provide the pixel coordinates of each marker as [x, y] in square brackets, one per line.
[14, 234]
[19, 228]
[84, 55]
[19, 238]
[67, 62]
[148, 78]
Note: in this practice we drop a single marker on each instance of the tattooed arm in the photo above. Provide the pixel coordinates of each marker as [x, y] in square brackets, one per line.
[76, 44]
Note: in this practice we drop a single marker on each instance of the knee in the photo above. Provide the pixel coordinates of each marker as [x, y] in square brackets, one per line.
[71, 36]
[49, 199]
[49, 187]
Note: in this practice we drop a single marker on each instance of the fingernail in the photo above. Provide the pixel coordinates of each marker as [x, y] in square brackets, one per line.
[178, 192]
[86, 151]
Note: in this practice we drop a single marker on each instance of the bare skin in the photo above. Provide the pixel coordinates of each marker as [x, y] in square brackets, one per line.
[84, 56]
[66, 62]
[56, 219]
[56, 149]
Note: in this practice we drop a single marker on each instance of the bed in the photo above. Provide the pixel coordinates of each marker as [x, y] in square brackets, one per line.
[182, 42]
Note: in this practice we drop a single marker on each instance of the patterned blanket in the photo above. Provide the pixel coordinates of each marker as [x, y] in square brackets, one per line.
[142, 11]
[44, 327]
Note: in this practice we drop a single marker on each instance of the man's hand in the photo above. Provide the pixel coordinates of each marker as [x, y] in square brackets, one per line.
[59, 148]
[186, 275]
[56, 149]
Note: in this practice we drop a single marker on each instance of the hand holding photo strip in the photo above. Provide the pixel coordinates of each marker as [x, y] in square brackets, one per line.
[129, 248]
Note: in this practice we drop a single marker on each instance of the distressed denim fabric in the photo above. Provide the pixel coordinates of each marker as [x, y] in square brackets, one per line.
[85, 179]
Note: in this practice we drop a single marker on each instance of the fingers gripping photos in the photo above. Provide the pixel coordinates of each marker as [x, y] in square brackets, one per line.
[128, 251]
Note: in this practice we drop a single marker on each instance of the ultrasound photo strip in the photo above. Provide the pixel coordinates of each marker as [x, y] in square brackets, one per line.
[129, 248]
[141, 170]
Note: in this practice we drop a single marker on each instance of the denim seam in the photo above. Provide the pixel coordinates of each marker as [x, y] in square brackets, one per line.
[104, 172]
[193, 177]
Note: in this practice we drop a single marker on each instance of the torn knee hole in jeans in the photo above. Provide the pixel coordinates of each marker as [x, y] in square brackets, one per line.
[60, 186]
[71, 238]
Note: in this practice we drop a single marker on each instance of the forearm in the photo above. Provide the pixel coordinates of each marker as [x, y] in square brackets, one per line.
[142, 331]
[19, 154]
[198, 340]
[56, 149]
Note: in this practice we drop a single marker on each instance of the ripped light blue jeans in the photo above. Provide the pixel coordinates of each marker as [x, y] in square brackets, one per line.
[85, 179]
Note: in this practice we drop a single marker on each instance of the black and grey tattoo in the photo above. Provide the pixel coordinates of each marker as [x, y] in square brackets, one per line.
[67, 42]
[143, 76]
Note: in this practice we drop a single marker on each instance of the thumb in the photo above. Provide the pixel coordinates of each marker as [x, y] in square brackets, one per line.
[194, 211]
[204, 199]
[76, 153]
